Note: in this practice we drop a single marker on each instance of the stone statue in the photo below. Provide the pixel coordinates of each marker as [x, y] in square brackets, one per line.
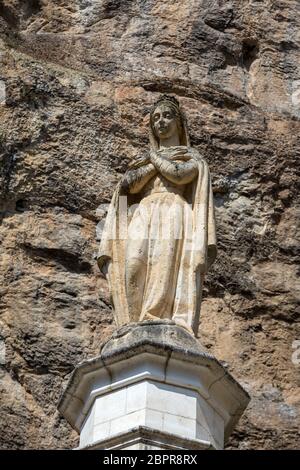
[155, 254]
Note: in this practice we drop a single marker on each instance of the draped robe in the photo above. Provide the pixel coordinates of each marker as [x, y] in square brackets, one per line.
[160, 251]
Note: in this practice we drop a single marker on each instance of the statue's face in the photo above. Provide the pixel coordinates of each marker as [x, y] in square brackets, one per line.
[164, 122]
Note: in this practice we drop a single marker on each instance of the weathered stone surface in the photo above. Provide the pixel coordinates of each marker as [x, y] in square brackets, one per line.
[156, 260]
[153, 374]
[162, 334]
[79, 79]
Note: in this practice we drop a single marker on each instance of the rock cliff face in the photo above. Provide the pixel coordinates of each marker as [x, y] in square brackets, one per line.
[77, 80]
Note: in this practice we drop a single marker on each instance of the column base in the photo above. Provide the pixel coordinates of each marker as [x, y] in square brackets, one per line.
[153, 387]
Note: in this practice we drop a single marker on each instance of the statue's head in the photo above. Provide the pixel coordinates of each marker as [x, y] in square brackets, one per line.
[166, 120]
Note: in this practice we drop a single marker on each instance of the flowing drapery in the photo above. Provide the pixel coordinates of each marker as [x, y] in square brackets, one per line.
[177, 294]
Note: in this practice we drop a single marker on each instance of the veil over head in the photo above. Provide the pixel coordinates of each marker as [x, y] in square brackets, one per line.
[198, 195]
[173, 104]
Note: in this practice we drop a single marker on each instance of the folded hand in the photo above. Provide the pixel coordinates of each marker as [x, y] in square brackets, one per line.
[139, 161]
[176, 153]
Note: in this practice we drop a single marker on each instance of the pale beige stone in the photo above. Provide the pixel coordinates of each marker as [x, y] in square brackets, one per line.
[155, 258]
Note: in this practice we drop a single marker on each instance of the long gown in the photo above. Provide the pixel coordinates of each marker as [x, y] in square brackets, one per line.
[157, 268]
[158, 255]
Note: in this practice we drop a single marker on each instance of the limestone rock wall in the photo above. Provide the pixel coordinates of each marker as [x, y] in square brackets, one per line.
[77, 78]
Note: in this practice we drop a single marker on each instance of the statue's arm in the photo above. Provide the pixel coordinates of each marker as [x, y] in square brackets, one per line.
[176, 172]
[134, 180]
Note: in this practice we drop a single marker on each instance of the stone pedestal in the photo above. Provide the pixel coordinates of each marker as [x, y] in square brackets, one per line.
[153, 386]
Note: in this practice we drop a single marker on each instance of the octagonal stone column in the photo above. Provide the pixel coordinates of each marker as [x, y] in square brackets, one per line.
[153, 386]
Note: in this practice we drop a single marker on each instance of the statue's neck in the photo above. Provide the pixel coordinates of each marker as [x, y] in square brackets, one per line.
[172, 141]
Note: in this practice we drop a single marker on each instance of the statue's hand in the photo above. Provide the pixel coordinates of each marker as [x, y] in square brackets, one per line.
[193, 153]
[175, 153]
[153, 154]
[185, 154]
[139, 161]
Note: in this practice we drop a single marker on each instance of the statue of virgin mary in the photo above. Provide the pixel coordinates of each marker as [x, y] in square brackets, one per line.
[158, 243]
